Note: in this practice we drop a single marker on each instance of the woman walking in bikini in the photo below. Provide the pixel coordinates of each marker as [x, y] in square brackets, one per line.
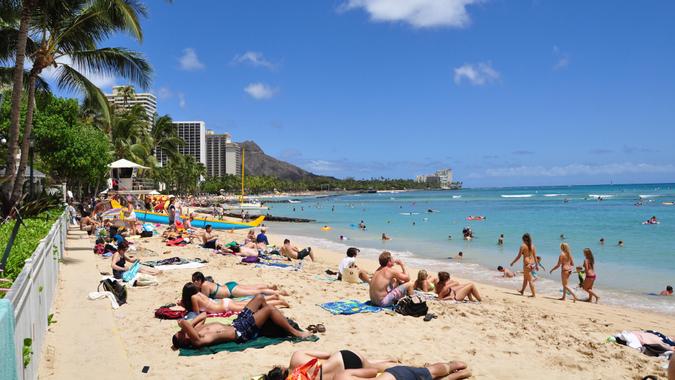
[566, 262]
[529, 253]
[589, 267]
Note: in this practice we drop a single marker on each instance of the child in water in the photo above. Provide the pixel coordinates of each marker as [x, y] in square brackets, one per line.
[582, 275]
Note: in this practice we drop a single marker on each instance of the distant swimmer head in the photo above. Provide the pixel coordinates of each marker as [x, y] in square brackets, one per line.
[620, 243]
[669, 289]
[460, 254]
[500, 268]
[602, 240]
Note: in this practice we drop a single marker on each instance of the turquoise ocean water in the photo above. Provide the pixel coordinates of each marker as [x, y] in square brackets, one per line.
[626, 274]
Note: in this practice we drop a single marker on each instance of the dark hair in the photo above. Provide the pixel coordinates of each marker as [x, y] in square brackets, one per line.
[175, 341]
[460, 253]
[286, 241]
[235, 249]
[443, 277]
[276, 373]
[123, 246]
[208, 226]
[351, 252]
[384, 258]
[198, 276]
[189, 290]
[527, 240]
[669, 288]
[500, 267]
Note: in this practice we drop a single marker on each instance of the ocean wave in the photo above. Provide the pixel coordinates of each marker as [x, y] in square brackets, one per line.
[554, 195]
[596, 196]
[517, 195]
[642, 196]
[456, 196]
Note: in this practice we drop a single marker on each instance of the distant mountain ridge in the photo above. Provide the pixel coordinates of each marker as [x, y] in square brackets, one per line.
[257, 163]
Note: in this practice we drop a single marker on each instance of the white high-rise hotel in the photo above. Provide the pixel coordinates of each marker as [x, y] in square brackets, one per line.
[194, 135]
[145, 99]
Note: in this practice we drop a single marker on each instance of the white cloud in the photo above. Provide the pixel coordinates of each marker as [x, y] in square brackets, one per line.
[254, 59]
[562, 59]
[418, 13]
[260, 91]
[189, 60]
[477, 74]
[164, 93]
[100, 80]
[181, 100]
[575, 169]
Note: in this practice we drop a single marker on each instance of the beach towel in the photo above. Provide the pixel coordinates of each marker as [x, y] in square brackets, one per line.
[273, 264]
[190, 265]
[7, 347]
[324, 278]
[100, 295]
[130, 275]
[349, 307]
[236, 347]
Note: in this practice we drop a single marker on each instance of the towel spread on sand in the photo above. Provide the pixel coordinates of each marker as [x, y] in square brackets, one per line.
[324, 278]
[260, 342]
[273, 264]
[190, 265]
[349, 307]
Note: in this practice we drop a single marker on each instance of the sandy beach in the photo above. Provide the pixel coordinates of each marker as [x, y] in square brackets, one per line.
[506, 336]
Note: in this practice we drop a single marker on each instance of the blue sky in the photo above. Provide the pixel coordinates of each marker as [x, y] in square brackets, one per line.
[504, 92]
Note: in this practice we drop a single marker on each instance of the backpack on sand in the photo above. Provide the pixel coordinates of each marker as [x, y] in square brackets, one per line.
[114, 287]
[413, 306]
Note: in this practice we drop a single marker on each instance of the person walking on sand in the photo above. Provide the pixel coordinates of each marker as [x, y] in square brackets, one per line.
[388, 285]
[529, 253]
[566, 265]
[589, 267]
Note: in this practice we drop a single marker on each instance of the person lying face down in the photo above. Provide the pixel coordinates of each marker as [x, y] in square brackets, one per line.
[197, 333]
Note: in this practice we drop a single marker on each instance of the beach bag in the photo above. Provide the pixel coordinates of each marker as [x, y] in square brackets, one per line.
[114, 287]
[145, 234]
[413, 306]
[99, 248]
[307, 371]
[351, 275]
[168, 313]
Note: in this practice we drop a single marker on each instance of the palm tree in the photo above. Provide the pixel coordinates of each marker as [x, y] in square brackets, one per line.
[164, 137]
[129, 135]
[127, 92]
[76, 35]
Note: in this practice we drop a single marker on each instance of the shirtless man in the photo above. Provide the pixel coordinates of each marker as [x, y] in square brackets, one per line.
[196, 333]
[292, 252]
[449, 371]
[232, 289]
[388, 285]
[87, 224]
[209, 240]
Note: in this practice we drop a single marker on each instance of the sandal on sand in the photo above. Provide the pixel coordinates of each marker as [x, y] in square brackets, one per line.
[330, 272]
[320, 328]
[429, 317]
[312, 329]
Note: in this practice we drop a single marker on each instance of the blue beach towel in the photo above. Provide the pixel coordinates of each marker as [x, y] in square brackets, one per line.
[349, 307]
[274, 264]
[7, 348]
[132, 272]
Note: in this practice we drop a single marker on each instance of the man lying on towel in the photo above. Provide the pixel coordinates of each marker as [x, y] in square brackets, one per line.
[195, 333]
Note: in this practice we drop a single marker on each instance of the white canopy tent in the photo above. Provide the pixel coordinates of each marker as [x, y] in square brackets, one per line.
[124, 163]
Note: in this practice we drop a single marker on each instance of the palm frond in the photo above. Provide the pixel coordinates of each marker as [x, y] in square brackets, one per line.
[7, 77]
[124, 14]
[122, 62]
[8, 38]
[71, 80]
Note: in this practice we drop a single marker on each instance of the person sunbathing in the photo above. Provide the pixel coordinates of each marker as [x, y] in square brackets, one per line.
[195, 302]
[331, 363]
[237, 250]
[232, 289]
[120, 259]
[448, 289]
[292, 252]
[424, 282]
[247, 326]
[450, 371]
[388, 285]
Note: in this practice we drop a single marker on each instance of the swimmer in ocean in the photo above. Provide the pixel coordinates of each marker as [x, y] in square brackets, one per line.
[500, 241]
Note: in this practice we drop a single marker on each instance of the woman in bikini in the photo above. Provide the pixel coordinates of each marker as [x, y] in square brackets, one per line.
[233, 289]
[566, 263]
[331, 364]
[529, 253]
[589, 267]
[424, 282]
[194, 301]
[448, 289]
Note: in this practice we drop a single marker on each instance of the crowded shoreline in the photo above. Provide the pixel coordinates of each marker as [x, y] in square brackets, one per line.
[494, 337]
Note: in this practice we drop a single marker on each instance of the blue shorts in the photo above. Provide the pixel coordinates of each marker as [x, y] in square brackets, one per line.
[245, 326]
[409, 373]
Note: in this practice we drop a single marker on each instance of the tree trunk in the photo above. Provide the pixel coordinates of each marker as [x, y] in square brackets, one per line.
[15, 113]
[17, 191]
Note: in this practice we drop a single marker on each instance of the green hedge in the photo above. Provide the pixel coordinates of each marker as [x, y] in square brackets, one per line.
[28, 238]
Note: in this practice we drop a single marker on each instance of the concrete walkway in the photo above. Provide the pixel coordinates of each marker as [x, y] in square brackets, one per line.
[84, 342]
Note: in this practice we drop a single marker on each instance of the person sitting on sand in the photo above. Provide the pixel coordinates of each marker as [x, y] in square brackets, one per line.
[232, 289]
[120, 259]
[448, 371]
[194, 301]
[292, 252]
[448, 289]
[424, 282]
[87, 223]
[385, 237]
[566, 265]
[388, 285]
[350, 262]
[667, 292]
[261, 239]
[250, 237]
[508, 273]
[209, 240]
[589, 268]
[331, 363]
[247, 326]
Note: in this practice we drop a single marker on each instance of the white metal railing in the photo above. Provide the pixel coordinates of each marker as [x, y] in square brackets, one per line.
[32, 294]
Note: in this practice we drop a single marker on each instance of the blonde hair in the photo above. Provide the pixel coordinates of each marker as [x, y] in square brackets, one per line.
[422, 275]
[566, 249]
